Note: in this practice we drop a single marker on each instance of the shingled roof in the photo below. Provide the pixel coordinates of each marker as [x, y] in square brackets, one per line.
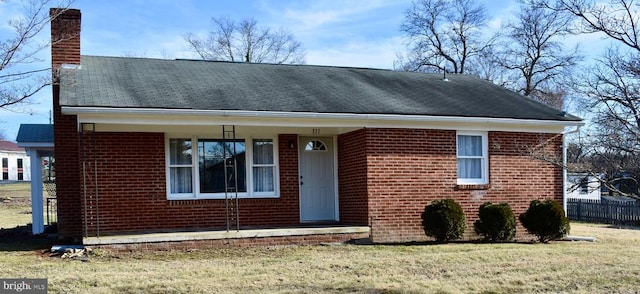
[122, 82]
[10, 146]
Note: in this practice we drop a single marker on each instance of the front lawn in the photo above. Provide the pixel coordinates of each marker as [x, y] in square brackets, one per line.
[610, 265]
[15, 204]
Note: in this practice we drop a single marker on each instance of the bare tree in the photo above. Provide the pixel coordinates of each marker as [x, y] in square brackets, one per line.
[443, 35]
[21, 75]
[486, 66]
[611, 85]
[617, 19]
[553, 95]
[533, 51]
[244, 41]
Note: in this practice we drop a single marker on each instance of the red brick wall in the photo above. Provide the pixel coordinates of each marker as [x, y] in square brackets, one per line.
[352, 178]
[386, 177]
[132, 190]
[407, 169]
[516, 177]
[68, 176]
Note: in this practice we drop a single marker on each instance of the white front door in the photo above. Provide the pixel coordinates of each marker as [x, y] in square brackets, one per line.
[317, 183]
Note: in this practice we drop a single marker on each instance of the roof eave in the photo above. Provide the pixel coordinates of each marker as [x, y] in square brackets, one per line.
[36, 144]
[74, 110]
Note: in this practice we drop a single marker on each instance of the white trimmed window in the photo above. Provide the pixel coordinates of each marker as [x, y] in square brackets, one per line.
[264, 167]
[180, 173]
[473, 159]
[199, 173]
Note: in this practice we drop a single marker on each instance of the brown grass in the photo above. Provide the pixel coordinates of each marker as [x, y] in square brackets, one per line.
[610, 265]
[15, 204]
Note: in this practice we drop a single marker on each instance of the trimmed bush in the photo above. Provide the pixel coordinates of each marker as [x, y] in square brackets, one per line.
[444, 220]
[546, 220]
[496, 222]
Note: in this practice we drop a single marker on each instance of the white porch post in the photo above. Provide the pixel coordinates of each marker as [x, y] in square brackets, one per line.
[37, 218]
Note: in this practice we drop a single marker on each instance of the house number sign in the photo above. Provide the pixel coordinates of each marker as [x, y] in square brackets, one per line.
[316, 131]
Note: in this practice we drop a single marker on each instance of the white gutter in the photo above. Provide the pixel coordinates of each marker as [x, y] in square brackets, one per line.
[35, 144]
[564, 166]
[71, 110]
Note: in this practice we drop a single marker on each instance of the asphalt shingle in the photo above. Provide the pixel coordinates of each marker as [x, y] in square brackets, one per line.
[120, 82]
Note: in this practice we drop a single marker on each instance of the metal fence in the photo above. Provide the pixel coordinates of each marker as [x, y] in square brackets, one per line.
[52, 210]
[608, 212]
[52, 202]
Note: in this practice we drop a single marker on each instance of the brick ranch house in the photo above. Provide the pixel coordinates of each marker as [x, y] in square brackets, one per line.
[146, 149]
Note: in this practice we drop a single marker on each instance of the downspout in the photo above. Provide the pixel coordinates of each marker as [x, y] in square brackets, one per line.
[564, 166]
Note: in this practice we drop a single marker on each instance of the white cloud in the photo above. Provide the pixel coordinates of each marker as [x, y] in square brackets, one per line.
[321, 13]
[317, 17]
[375, 54]
[342, 33]
[591, 45]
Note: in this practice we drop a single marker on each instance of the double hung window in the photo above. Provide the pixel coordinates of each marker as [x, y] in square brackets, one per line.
[472, 158]
[263, 166]
[180, 166]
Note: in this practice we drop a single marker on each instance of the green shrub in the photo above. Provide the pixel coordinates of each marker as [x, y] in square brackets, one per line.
[496, 222]
[443, 220]
[546, 220]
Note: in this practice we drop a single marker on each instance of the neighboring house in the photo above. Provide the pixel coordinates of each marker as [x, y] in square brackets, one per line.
[149, 146]
[583, 186]
[14, 162]
[621, 183]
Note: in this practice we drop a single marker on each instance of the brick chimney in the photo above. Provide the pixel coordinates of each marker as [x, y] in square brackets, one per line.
[65, 51]
[65, 37]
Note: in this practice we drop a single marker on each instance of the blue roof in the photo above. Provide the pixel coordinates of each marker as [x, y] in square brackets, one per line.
[35, 133]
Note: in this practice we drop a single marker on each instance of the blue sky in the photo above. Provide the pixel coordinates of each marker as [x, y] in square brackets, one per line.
[358, 33]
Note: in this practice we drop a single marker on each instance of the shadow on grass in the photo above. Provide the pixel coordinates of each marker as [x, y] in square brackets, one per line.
[354, 290]
[20, 238]
[610, 226]
[623, 227]
[367, 242]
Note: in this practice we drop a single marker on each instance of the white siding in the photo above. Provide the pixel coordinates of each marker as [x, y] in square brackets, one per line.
[12, 167]
[577, 191]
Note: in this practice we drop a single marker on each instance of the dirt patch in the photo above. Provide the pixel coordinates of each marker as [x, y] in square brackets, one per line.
[14, 201]
[13, 194]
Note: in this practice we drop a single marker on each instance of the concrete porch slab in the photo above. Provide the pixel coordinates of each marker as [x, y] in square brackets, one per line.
[218, 235]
